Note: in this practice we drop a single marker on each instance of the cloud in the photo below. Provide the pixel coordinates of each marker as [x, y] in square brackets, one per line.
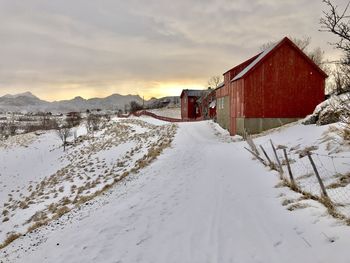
[50, 47]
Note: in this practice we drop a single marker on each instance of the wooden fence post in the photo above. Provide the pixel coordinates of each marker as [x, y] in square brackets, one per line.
[288, 165]
[250, 142]
[272, 165]
[277, 160]
[257, 156]
[317, 175]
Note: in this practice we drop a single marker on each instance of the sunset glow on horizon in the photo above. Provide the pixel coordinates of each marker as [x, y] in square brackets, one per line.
[146, 90]
[62, 49]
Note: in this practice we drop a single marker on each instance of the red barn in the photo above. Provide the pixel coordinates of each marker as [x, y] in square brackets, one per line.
[191, 104]
[277, 86]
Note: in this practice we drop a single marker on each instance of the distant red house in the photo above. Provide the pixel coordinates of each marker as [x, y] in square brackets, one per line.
[192, 104]
[73, 114]
[277, 86]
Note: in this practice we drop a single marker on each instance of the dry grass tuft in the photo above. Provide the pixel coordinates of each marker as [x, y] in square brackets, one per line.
[297, 206]
[12, 237]
[61, 211]
[343, 181]
[346, 133]
[286, 202]
[23, 205]
[37, 225]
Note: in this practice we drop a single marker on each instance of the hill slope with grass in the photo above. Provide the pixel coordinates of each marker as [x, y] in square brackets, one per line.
[203, 199]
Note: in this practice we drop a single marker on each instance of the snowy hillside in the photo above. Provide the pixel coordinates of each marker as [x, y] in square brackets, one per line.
[39, 182]
[203, 200]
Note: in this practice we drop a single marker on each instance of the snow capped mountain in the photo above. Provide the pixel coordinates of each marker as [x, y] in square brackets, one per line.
[27, 102]
[24, 94]
[21, 102]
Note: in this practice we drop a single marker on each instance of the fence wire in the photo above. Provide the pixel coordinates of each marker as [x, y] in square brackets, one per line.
[333, 170]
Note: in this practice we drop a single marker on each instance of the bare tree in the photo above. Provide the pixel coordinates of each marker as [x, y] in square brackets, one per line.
[134, 106]
[3, 133]
[93, 122]
[73, 119]
[214, 81]
[337, 22]
[302, 43]
[75, 135]
[12, 128]
[47, 123]
[340, 79]
[63, 133]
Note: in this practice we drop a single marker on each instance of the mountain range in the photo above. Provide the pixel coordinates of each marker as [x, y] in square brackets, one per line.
[27, 102]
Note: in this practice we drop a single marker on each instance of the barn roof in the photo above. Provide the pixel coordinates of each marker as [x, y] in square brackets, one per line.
[193, 92]
[221, 85]
[243, 63]
[262, 56]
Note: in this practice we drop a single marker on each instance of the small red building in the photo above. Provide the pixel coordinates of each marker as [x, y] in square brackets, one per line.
[191, 104]
[277, 86]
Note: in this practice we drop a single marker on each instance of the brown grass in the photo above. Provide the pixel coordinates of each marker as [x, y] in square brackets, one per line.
[23, 205]
[346, 133]
[343, 181]
[5, 212]
[286, 202]
[40, 218]
[324, 200]
[297, 206]
[12, 237]
[61, 211]
[37, 225]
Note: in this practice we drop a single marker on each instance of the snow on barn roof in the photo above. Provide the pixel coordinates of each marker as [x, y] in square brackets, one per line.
[256, 61]
[212, 104]
[221, 85]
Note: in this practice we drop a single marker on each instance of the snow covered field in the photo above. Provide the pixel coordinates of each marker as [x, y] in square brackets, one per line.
[203, 200]
[39, 182]
[168, 112]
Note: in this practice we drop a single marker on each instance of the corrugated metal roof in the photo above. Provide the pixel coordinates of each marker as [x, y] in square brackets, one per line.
[196, 93]
[256, 61]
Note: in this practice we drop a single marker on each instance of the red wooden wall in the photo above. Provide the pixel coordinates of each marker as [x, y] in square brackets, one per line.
[230, 74]
[236, 102]
[285, 85]
[188, 107]
[184, 107]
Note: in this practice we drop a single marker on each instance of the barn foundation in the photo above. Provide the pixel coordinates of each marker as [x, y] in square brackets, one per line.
[257, 125]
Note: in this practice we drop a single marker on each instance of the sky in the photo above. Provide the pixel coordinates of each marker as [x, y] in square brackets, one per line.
[94, 48]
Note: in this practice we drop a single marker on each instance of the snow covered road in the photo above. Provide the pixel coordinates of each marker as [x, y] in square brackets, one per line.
[203, 200]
